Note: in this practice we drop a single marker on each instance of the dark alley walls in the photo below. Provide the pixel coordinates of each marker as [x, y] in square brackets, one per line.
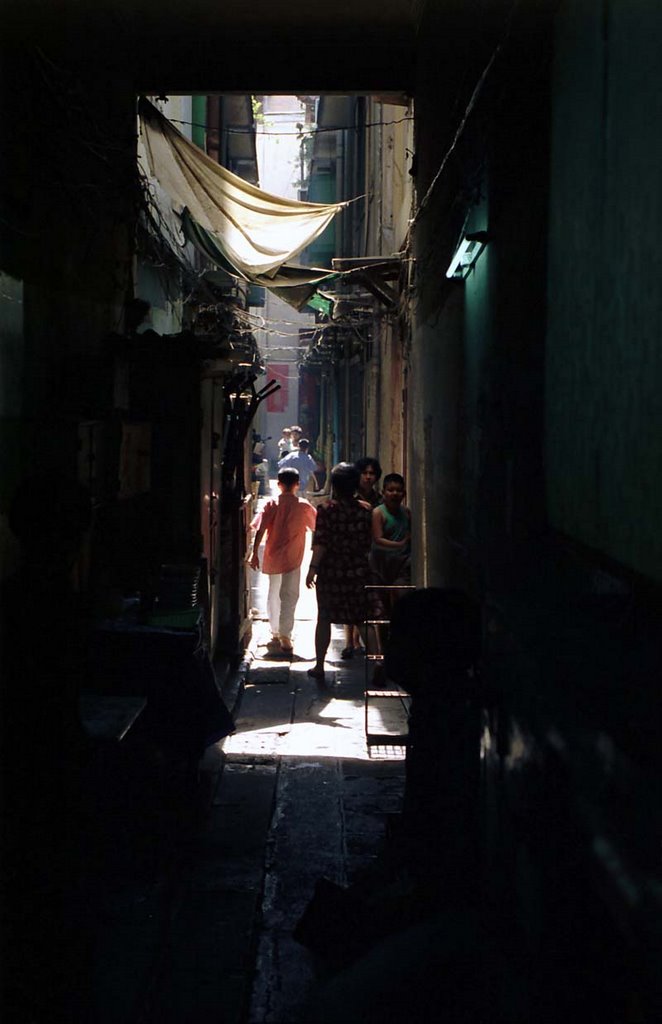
[478, 350]
[604, 361]
[69, 199]
[537, 376]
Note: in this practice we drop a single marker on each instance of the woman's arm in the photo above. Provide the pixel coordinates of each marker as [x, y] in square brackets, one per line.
[318, 554]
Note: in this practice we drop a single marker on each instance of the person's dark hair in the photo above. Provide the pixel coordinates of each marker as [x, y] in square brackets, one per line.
[288, 477]
[344, 480]
[367, 460]
[304, 443]
[393, 478]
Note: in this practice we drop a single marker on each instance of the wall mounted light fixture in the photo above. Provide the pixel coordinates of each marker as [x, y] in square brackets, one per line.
[470, 247]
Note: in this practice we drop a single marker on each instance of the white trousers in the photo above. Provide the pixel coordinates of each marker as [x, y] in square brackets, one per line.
[282, 600]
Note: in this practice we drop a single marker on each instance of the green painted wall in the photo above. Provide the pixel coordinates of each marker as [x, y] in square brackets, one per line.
[604, 357]
[475, 383]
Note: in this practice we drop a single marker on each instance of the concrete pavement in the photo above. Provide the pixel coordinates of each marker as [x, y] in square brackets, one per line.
[296, 798]
[190, 895]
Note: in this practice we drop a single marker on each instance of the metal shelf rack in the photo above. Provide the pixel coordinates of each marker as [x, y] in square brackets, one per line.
[377, 699]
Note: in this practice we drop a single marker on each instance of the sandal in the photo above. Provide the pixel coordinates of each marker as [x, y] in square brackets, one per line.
[347, 652]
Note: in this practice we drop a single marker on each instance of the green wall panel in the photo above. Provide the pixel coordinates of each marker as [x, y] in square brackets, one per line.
[604, 358]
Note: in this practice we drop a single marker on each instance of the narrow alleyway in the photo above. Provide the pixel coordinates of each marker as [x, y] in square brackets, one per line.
[293, 797]
[297, 799]
[454, 271]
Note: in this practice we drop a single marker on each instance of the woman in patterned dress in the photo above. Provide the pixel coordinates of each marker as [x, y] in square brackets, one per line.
[339, 566]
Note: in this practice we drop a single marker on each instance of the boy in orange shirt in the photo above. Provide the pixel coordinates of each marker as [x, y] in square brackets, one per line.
[285, 522]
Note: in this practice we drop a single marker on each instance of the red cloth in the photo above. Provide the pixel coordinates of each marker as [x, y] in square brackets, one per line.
[285, 521]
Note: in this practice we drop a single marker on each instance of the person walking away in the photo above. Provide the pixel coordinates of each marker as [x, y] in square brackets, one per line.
[285, 442]
[339, 568]
[369, 473]
[303, 462]
[285, 521]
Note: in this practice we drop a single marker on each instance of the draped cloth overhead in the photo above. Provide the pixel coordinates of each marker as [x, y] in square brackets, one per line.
[258, 234]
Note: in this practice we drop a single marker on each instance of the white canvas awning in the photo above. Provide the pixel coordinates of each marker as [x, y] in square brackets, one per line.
[257, 233]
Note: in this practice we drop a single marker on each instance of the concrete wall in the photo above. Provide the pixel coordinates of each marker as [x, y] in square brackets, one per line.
[435, 485]
[69, 205]
[477, 346]
[604, 361]
[533, 384]
[389, 412]
[389, 146]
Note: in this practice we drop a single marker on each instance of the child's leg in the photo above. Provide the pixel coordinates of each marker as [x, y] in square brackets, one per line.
[289, 595]
[273, 604]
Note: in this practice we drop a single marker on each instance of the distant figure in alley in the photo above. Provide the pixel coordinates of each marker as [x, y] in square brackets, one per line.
[285, 521]
[301, 460]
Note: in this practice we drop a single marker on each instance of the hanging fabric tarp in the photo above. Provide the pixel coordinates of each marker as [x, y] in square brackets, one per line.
[257, 233]
[292, 283]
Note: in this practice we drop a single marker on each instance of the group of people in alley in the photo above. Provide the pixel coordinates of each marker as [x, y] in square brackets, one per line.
[361, 537]
[428, 866]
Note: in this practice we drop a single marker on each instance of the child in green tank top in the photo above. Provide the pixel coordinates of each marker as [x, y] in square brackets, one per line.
[391, 534]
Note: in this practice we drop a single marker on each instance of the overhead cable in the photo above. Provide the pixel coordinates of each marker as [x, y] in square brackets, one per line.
[297, 134]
